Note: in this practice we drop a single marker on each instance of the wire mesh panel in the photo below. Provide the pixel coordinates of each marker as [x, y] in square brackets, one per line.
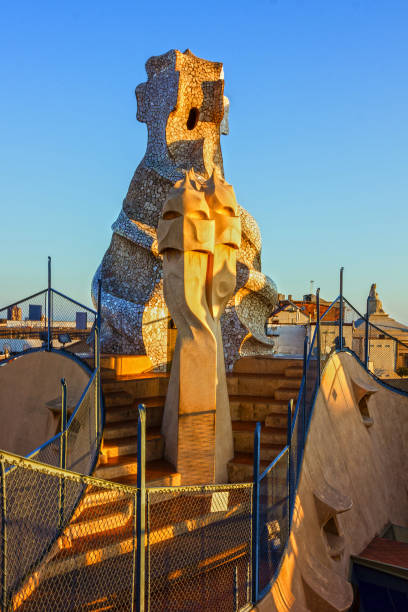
[273, 519]
[72, 325]
[49, 453]
[70, 541]
[199, 548]
[330, 332]
[23, 325]
[385, 355]
[82, 443]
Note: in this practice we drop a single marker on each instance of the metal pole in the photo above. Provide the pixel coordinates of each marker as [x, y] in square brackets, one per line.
[255, 515]
[318, 335]
[97, 351]
[63, 461]
[135, 547]
[366, 344]
[248, 583]
[63, 449]
[3, 536]
[236, 592]
[141, 508]
[97, 384]
[305, 347]
[49, 304]
[290, 463]
[341, 314]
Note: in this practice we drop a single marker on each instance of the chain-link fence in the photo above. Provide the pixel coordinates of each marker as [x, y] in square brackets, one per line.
[83, 555]
[199, 548]
[73, 325]
[76, 446]
[78, 554]
[47, 320]
[24, 325]
[383, 353]
[273, 518]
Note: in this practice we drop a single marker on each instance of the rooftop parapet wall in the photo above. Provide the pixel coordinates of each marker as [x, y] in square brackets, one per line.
[353, 482]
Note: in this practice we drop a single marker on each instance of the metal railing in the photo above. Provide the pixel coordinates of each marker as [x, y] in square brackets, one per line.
[275, 488]
[121, 547]
[75, 447]
[84, 543]
[47, 320]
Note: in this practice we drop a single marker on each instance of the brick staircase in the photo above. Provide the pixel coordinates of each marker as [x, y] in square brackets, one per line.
[101, 529]
[118, 459]
[259, 390]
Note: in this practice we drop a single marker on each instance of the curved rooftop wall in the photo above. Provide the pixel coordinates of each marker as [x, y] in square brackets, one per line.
[30, 398]
[352, 484]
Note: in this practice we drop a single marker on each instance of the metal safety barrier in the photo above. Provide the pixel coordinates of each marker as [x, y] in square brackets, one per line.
[194, 543]
[70, 541]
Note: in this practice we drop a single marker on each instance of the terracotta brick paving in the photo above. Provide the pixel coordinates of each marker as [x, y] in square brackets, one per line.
[387, 551]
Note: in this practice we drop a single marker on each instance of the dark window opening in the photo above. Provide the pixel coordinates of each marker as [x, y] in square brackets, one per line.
[192, 118]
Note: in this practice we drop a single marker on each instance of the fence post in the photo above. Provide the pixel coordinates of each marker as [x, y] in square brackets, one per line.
[3, 536]
[366, 343]
[290, 463]
[63, 449]
[97, 384]
[97, 352]
[318, 336]
[141, 508]
[255, 515]
[49, 305]
[63, 456]
[341, 314]
[305, 347]
[236, 589]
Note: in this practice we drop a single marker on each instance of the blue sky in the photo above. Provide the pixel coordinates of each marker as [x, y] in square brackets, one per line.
[317, 150]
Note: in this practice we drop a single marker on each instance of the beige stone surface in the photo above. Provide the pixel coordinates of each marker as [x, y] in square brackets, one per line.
[184, 107]
[353, 482]
[30, 393]
[199, 234]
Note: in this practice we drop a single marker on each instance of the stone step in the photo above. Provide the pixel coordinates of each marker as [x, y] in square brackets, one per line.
[240, 469]
[254, 408]
[243, 433]
[107, 374]
[120, 429]
[127, 446]
[159, 473]
[118, 414]
[139, 388]
[286, 394]
[265, 365]
[294, 372]
[117, 398]
[277, 420]
[97, 520]
[260, 385]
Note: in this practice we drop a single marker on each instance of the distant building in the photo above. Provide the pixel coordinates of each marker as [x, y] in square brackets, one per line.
[385, 355]
[298, 312]
[14, 313]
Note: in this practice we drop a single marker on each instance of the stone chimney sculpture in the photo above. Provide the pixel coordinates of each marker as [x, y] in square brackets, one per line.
[185, 110]
[199, 234]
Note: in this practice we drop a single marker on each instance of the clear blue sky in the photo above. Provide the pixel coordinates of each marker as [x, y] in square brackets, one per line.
[317, 150]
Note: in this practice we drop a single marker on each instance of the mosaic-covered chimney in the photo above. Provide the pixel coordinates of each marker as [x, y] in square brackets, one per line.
[185, 110]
